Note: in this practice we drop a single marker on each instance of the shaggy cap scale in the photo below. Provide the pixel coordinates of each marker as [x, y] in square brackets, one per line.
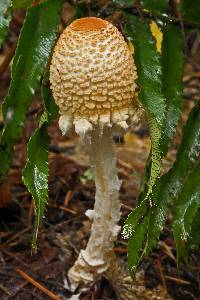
[92, 73]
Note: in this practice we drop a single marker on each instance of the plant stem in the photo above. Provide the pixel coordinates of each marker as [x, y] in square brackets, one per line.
[97, 257]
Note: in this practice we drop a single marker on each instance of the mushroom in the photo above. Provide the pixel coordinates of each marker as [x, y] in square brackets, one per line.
[92, 77]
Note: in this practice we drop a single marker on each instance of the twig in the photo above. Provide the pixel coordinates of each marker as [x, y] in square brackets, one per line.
[165, 18]
[181, 21]
[8, 58]
[37, 285]
[178, 280]
[125, 164]
[138, 9]
[30, 212]
[124, 173]
[13, 256]
[67, 198]
[135, 9]
[63, 208]
[89, 7]
[55, 227]
[167, 250]
[103, 8]
[195, 268]
[20, 233]
[127, 207]
[93, 296]
[4, 234]
[5, 290]
[189, 293]
[120, 250]
[161, 274]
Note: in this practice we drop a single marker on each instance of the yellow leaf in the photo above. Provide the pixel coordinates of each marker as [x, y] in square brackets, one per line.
[157, 33]
[131, 47]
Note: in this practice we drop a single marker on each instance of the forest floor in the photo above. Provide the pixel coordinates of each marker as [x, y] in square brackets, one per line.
[65, 229]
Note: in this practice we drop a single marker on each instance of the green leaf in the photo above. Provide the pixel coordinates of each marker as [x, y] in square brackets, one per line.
[25, 3]
[190, 10]
[172, 51]
[186, 207]
[5, 18]
[186, 157]
[134, 219]
[35, 175]
[182, 184]
[21, 3]
[155, 5]
[168, 188]
[194, 237]
[149, 70]
[36, 171]
[31, 58]
[50, 106]
[144, 181]
[156, 154]
[157, 216]
[135, 245]
[148, 63]
[172, 89]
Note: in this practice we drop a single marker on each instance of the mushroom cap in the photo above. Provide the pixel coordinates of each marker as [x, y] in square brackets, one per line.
[93, 75]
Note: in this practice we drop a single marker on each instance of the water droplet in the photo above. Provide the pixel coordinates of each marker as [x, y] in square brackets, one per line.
[32, 90]
[127, 231]
[9, 115]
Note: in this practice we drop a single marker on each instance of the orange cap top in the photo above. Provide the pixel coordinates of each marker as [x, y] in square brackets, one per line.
[88, 24]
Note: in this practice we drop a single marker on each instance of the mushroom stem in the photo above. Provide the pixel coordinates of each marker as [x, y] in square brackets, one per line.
[98, 256]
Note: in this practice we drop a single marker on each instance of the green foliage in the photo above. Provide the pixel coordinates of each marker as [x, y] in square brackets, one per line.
[186, 157]
[186, 207]
[190, 10]
[183, 183]
[155, 5]
[170, 186]
[172, 80]
[149, 71]
[21, 3]
[135, 245]
[148, 63]
[5, 18]
[35, 174]
[31, 58]
[193, 241]
[160, 92]
[25, 3]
